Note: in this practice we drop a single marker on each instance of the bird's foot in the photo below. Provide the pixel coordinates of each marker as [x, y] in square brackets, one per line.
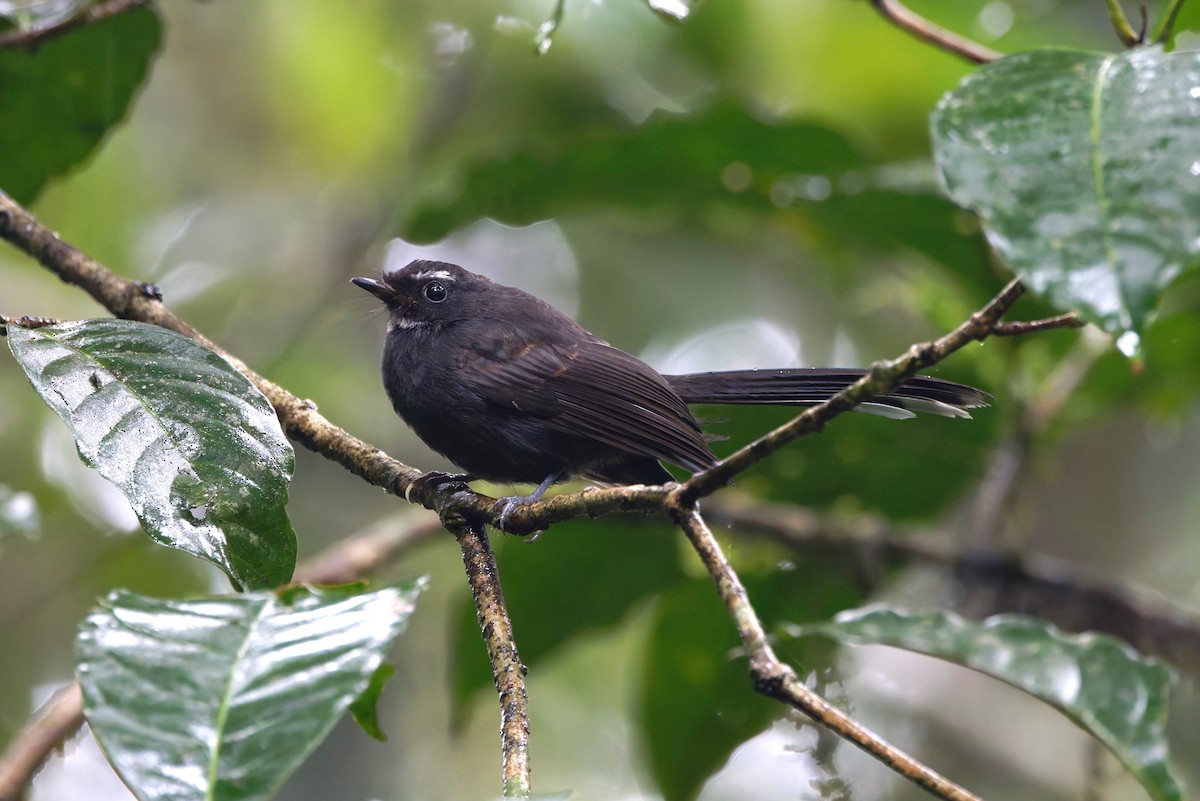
[435, 478]
[514, 502]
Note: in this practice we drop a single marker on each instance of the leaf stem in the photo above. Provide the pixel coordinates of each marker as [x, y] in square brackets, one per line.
[1125, 32]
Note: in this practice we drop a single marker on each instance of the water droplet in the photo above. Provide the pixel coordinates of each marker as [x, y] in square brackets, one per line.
[1129, 343]
[737, 176]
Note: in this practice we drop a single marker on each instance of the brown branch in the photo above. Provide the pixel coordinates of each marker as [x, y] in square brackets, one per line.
[899, 15]
[881, 379]
[508, 673]
[464, 512]
[45, 733]
[97, 12]
[1069, 320]
[778, 680]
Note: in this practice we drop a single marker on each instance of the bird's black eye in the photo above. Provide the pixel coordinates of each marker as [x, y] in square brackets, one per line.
[435, 292]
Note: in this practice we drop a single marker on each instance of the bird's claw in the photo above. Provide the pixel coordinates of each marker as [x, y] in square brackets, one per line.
[435, 477]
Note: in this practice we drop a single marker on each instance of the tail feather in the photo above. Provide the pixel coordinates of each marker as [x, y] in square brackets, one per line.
[808, 386]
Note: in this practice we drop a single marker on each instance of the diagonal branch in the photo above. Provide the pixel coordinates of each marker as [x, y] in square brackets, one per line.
[778, 680]
[882, 378]
[900, 16]
[465, 512]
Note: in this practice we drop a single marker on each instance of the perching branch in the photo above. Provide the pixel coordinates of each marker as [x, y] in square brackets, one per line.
[465, 512]
[896, 13]
[97, 12]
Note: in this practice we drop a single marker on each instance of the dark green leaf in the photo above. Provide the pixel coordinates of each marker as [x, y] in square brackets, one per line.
[194, 446]
[1100, 683]
[221, 699]
[365, 710]
[1083, 168]
[57, 102]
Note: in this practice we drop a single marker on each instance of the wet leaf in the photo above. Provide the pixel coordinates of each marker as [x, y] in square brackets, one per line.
[58, 101]
[1100, 683]
[222, 698]
[194, 446]
[1083, 168]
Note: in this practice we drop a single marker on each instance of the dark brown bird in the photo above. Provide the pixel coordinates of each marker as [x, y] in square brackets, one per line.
[513, 391]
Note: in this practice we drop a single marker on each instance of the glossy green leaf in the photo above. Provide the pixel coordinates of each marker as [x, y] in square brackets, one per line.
[1099, 682]
[221, 698]
[194, 446]
[1083, 168]
[59, 100]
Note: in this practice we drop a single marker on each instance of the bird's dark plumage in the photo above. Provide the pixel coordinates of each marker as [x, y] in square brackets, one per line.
[513, 391]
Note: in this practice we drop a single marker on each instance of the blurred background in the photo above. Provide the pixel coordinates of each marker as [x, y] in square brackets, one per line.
[747, 186]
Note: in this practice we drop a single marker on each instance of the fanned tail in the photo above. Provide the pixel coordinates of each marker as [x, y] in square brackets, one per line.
[808, 386]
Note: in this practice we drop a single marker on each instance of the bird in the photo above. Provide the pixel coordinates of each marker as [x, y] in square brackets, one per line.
[513, 391]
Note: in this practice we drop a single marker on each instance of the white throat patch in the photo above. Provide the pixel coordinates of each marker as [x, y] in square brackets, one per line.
[405, 324]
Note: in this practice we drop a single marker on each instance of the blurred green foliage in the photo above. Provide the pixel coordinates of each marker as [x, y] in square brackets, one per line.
[763, 166]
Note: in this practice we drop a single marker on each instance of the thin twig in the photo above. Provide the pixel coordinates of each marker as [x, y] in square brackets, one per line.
[881, 379]
[778, 680]
[1020, 327]
[53, 725]
[508, 673]
[918, 26]
[97, 12]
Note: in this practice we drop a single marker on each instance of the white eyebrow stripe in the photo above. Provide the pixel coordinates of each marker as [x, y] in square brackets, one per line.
[443, 274]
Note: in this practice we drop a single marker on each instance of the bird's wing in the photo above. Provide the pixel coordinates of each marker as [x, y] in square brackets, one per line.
[593, 390]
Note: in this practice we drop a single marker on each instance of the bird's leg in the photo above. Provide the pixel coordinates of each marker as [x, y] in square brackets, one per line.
[515, 501]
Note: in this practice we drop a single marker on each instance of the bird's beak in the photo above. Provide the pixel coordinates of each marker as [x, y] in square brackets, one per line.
[379, 290]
